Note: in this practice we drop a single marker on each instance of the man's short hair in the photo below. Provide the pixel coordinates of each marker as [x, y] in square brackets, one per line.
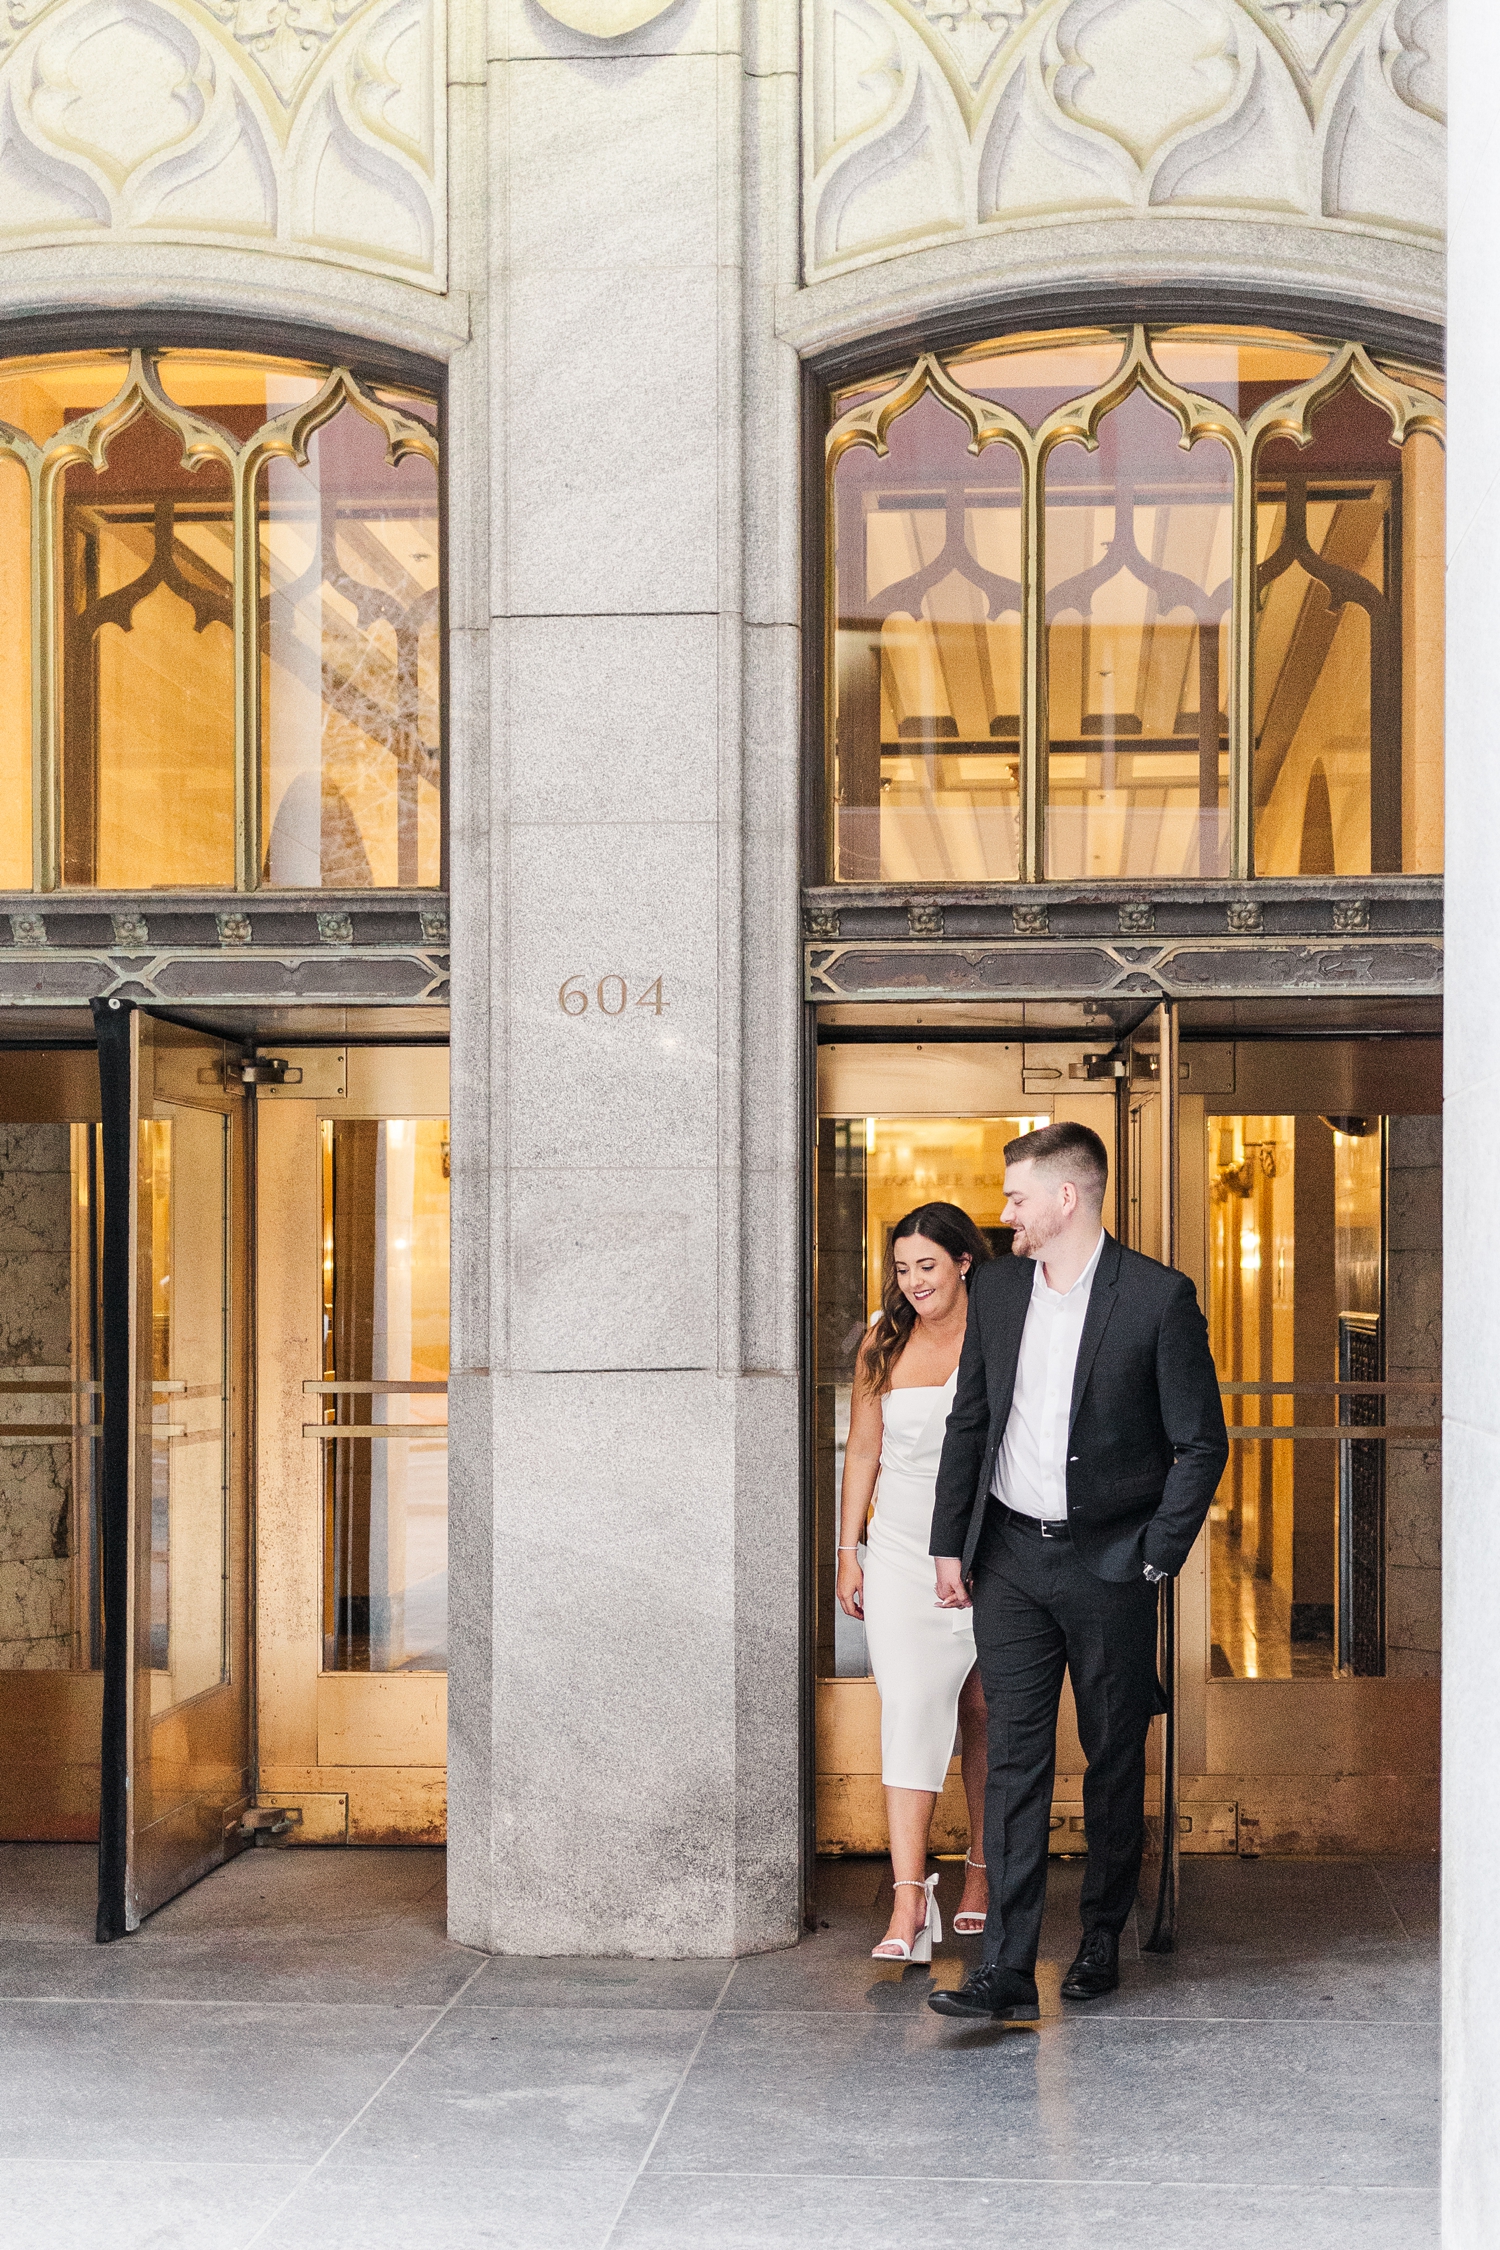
[1065, 1152]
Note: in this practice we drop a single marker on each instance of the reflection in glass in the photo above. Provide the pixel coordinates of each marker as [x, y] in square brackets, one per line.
[350, 664]
[49, 1374]
[38, 396]
[15, 674]
[1359, 1290]
[1297, 1296]
[1033, 374]
[1240, 368]
[871, 1171]
[928, 655]
[385, 1327]
[1139, 585]
[1328, 687]
[148, 668]
[237, 392]
[184, 1189]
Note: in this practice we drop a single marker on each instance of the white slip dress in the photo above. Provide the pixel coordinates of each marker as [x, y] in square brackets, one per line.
[920, 1654]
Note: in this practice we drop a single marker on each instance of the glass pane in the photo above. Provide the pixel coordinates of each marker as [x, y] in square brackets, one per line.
[183, 1159]
[928, 656]
[236, 392]
[871, 1172]
[1033, 374]
[1328, 686]
[350, 673]
[1242, 369]
[38, 396]
[385, 1329]
[15, 672]
[1139, 560]
[148, 668]
[50, 1211]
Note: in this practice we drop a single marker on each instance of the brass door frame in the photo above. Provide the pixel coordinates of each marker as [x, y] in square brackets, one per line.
[362, 1754]
[174, 1785]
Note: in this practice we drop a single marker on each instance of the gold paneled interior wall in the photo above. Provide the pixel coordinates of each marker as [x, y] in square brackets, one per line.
[1136, 604]
[219, 625]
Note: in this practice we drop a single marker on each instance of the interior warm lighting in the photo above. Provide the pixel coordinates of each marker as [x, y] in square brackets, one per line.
[1126, 744]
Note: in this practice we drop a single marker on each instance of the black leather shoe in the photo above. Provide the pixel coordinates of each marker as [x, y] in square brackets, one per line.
[994, 1993]
[1096, 1967]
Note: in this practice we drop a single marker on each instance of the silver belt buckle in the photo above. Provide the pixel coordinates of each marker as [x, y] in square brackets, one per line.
[1053, 1530]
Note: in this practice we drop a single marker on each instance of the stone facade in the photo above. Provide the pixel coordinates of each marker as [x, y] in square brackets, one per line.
[928, 122]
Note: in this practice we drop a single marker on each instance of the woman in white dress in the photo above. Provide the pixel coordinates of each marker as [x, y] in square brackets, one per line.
[922, 1656]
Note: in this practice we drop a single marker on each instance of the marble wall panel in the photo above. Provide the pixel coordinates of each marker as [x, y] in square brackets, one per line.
[925, 124]
[315, 127]
[36, 1481]
[1471, 1186]
[614, 1569]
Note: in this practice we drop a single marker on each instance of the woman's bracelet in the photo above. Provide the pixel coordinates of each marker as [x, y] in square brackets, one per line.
[854, 1550]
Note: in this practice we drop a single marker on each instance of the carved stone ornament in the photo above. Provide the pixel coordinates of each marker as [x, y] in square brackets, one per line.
[820, 923]
[1137, 917]
[605, 19]
[1244, 917]
[924, 918]
[234, 929]
[336, 929]
[1030, 921]
[929, 120]
[130, 929]
[1351, 916]
[312, 125]
[28, 929]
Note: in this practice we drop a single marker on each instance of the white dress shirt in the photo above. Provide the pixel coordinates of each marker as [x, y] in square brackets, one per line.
[1031, 1468]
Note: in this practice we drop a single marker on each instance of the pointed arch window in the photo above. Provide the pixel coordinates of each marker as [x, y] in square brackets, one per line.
[219, 626]
[1122, 605]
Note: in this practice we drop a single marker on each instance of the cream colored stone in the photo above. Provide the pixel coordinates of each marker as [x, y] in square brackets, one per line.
[922, 123]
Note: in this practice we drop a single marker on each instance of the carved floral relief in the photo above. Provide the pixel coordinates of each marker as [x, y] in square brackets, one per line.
[308, 125]
[929, 120]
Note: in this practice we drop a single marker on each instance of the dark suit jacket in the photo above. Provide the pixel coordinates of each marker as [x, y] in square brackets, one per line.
[1146, 1443]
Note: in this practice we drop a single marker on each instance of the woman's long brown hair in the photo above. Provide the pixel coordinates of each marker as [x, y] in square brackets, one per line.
[952, 1230]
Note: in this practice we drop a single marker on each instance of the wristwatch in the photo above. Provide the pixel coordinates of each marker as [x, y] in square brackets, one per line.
[1153, 1575]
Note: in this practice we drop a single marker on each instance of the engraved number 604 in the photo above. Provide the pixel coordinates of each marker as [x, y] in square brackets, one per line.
[611, 996]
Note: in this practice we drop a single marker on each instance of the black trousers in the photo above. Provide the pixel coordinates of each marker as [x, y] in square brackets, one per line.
[1037, 1611]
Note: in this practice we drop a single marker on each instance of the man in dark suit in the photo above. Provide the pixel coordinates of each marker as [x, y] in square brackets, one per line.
[1085, 1444]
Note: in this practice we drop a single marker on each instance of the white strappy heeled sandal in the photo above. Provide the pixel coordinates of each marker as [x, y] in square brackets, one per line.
[930, 1934]
[970, 1925]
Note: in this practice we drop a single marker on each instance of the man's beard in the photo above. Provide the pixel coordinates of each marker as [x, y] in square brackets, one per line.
[1030, 1241]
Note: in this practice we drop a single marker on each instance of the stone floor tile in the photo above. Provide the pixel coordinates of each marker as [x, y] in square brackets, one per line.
[513, 1981]
[138, 2080]
[665, 2213]
[50, 1891]
[389, 1968]
[1414, 1888]
[125, 2206]
[1328, 2105]
[531, 2088]
[442, 2207]
[1298, 1905]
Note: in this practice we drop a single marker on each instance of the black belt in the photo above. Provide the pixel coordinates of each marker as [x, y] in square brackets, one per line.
[1053, 1529]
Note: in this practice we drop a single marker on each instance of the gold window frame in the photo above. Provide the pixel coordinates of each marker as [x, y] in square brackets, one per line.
[1411, 410]
[85, 442]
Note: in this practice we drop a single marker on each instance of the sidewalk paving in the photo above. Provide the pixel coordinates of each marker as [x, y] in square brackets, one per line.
[294, 2054]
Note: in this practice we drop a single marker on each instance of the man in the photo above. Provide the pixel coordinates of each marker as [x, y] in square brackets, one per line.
[1085, 1444]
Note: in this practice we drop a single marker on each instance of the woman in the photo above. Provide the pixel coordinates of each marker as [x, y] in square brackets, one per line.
[922, 1656]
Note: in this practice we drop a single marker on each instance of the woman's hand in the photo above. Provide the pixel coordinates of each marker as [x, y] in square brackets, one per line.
[850, 1587]
[952, 1593]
